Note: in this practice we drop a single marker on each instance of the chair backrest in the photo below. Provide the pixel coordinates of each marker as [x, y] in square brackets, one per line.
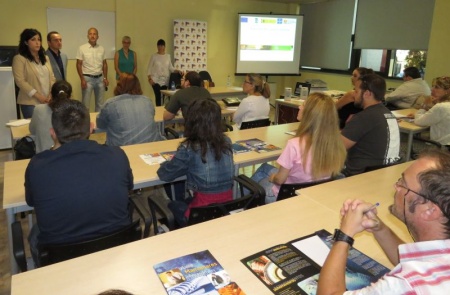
[251, 196]
[376, 167]
[205, 75]
[288, 190]
[50, 254]
[255, 124]
[419, 144]
[175, 77]
[205, 213]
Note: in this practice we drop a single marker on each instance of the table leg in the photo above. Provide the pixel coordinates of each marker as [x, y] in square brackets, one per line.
[277, 109]
[10, 218]
[409, 146]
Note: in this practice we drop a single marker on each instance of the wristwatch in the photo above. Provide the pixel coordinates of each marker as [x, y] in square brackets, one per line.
[339, 236]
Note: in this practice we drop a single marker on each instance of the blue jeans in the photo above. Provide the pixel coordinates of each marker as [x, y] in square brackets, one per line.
[27, 111]
[98, 86]
[261, 176]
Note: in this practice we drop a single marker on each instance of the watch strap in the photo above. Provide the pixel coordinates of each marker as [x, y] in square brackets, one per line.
[339, 236]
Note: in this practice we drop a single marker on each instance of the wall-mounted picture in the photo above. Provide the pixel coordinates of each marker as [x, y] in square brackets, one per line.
[6, 55]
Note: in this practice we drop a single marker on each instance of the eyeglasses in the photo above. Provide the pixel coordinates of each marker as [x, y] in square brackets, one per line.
[399, 184]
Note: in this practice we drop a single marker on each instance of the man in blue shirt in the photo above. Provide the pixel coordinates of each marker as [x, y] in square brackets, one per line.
[79, 189]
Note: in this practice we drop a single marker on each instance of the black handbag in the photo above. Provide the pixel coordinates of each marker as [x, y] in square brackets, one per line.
[25, 148]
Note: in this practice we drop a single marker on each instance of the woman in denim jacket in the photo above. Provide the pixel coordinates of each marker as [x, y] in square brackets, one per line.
[205, 157]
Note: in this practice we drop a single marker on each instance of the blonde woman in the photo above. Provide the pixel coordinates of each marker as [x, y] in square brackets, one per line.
[436, 114]
[315, 153]
[125, 59]
[256, 105]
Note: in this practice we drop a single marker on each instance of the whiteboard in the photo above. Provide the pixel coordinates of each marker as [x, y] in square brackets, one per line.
[73, 25]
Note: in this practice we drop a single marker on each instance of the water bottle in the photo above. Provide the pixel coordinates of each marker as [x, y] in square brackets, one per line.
[172, 86]
[228, 81]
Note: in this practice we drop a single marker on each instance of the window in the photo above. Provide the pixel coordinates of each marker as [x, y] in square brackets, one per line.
[391, 63]
[374, 42]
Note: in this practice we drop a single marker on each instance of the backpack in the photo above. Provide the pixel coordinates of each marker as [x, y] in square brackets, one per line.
[25, 148]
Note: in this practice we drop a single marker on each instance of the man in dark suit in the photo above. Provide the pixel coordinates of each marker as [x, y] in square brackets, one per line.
[58, 60]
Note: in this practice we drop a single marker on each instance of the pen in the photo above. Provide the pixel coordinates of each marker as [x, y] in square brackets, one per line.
[371, 208]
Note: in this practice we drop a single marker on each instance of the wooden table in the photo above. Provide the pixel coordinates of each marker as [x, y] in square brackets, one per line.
[144, 175]
[229, 239]
[217, 93]
[373, 187]
[21, 131]
[409, 128]
[286, 110]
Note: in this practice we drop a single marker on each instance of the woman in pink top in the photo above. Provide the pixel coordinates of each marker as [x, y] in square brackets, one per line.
[316, 152]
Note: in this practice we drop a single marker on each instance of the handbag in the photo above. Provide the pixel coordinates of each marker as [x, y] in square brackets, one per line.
[25, 148]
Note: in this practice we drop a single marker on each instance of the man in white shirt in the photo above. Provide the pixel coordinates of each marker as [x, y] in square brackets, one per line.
[93, 70]
[406, 94]
[422, 203]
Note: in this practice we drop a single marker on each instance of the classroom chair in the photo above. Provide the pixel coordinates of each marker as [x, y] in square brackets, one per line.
[50, 254]
[250, 195]
[419, 144]
[171, 133]
[206, 76]
[376, 167]
[255, 124]
[288, 190]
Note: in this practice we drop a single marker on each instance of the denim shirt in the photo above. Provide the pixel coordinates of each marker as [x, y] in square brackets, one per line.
[210, 177]
[129, 119]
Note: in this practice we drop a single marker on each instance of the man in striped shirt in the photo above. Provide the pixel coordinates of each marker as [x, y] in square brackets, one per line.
[422, 202]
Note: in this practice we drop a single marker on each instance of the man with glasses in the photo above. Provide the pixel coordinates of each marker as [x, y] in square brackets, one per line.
[406, 94]
[422, 202]
[192, 89]
[372, 136]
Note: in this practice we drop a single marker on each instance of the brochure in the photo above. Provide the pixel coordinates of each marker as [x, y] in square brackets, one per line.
[157, 158]
[294, 268]
[258, 145]
[196, 273]
[238, 148]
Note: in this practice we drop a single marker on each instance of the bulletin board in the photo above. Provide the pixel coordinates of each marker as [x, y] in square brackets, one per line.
[73, 25]
[190, 44]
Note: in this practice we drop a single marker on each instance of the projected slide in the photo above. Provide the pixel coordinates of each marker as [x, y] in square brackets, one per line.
[267, 38]
[269, 43]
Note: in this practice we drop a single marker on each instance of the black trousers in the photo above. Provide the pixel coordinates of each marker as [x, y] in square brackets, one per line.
[157, 90]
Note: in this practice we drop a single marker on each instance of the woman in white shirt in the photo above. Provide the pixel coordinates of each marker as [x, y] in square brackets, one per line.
[438, 116]
[159, 69]
[256, 105]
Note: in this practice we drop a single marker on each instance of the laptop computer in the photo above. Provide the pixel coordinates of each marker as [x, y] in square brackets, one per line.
[298, 87]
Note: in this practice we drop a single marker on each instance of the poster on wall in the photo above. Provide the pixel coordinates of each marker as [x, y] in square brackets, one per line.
[190, 45]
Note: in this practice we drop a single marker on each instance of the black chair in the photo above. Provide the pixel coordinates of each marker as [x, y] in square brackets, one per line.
[206, 76]
[171, 133]
[255, 124]
[176, 78]
[255, 196]
[376, 167]
[419, 144]
[288, 190]
[50, 254]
